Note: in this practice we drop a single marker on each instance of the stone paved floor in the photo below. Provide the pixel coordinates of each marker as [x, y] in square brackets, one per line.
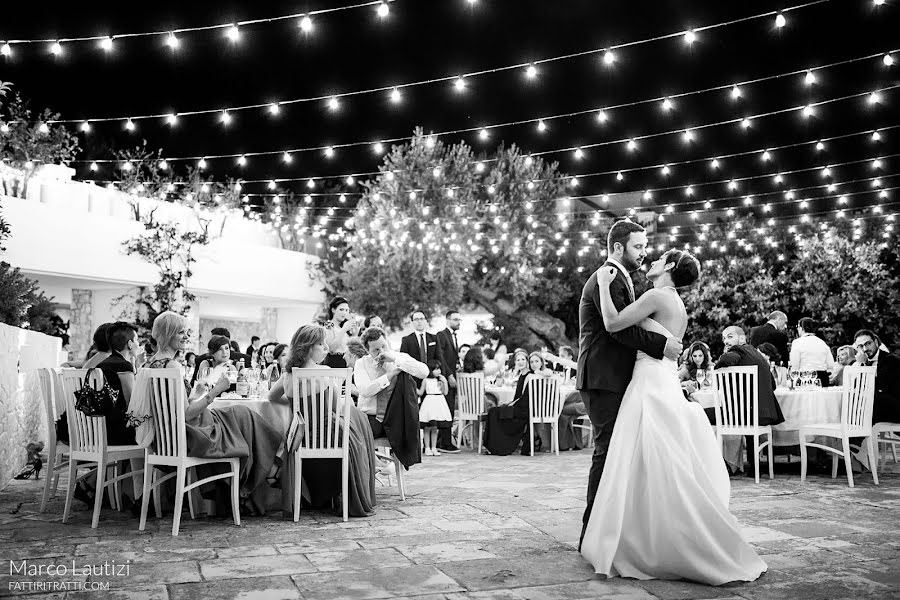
[472, 527]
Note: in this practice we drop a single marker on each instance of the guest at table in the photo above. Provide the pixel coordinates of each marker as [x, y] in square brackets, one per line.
[101, 347]
[698, 358]
[845, 356]
[491, 365]
[507, 426]
[809, 352]
[254, 346]
[323, 475]
[463, 350]
[234, 356]
[565, 363]
[219, 353]
[887, 375]
[779, 373]
[738, 353]
[520, 364]
[118, 371]
[190, 360]
[373, 321]
[265, 356]
[355, 351]
[773, 331]
[337, 328]
[232, 432]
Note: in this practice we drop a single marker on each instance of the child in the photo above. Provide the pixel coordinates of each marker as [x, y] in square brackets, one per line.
[433, 407]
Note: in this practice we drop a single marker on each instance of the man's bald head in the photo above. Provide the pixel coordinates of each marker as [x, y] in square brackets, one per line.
[778, 319]
[733, 335]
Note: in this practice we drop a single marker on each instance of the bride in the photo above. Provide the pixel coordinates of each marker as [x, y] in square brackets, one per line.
[661, 510]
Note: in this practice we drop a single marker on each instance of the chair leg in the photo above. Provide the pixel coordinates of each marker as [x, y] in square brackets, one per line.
[157, 501]
[847, 459]
[180, 475]
[51, 463]
[98, 492]
[298, 484]
[398, 468]
[834, 465]
[149, 471]
[70, 488]
[480, 435]
[756, 456]
[189, 477]
[531, 435]
[236, 492]
[345, 485]
[771, 457]
[115, 491]
[873, 462]
[803, 456]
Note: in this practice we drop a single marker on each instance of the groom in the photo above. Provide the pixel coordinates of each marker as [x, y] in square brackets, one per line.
[606, 360]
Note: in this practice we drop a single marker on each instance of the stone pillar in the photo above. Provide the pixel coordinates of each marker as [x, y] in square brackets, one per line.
[81, 324]
[268, 324]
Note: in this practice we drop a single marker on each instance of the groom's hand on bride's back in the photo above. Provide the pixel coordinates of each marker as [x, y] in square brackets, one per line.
[673, 349]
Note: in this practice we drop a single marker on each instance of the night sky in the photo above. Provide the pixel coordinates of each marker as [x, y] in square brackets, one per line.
[354, 50]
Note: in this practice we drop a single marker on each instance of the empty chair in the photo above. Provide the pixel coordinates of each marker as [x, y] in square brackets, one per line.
[737, 411]
[544, 406]
[470, 405]
[856, 422]
[885, 433]
[319, 395]
[87, 444]
[384, 451]
[167, 406]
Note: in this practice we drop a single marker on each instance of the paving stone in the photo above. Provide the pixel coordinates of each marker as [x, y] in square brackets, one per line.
[358, 559]
[248, 588]
[376, 583]
[255, 566]
[445, 552]
[527, 571]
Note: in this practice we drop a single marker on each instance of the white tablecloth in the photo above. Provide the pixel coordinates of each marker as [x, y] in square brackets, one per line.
[800, 407]
[279, 415]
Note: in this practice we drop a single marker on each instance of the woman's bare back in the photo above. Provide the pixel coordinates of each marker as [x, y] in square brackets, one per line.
[671, 313]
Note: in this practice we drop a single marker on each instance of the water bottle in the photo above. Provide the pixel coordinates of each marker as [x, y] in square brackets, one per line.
[263, 383]
[242, 386]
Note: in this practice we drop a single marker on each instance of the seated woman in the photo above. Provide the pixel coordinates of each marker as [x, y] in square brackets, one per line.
[508, 425]
[698, 358]
[322, 476]
[220, 354]
[279, 355]
[231, 432]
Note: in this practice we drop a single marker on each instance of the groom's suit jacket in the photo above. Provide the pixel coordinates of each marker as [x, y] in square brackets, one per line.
[606, 360]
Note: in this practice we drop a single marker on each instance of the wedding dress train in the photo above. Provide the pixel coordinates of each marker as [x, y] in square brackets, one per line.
[661, 510]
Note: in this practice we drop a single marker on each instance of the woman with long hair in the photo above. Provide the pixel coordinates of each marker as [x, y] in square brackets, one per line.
[323, 476]
[698, 357]
[338, 326]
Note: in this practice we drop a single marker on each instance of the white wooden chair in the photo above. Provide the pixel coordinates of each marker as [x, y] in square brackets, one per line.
[583, 423]
[885, 433]
[384, 451]
[470, 406]
[57, 451]
[318, 395]
[737, 411]
[87, 445]
[545, 404]
[167, 405]
[856, 422]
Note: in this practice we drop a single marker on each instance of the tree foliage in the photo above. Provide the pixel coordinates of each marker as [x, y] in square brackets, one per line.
[440, 226]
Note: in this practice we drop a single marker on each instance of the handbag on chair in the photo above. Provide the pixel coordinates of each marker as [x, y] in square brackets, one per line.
[95, 403]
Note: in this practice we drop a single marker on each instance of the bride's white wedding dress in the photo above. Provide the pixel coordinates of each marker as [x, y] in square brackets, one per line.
[661, 510]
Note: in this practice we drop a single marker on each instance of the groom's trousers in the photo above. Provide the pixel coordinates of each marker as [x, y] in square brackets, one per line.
[603, 408]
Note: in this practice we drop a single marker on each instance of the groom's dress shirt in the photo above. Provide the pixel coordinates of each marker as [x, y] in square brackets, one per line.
[627, 275]
[374, 385]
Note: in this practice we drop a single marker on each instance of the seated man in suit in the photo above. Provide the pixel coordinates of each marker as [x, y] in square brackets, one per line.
[738, 353]
[887, 375]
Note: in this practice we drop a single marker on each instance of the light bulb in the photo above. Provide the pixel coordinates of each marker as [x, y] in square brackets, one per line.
[715, 163]
[745, 123]
[233, 34]
[735, 92]
[688, 135]
[690, 37]
[172, 41]
[766, 156]
[619, 176]
[6, 50]
[225, 118]
[378, 147]
[876, 164]
[85, 127]
[329, 152]
[667, 105]
[129, 125]
[56, 49]
[809, 78]
[242, 160]
[541, 126]
[172, 119]
[483, 134]
[876, 136]
[44, 128]
[459, 84]
[820, 146]
[306, 24]
[779, 178]
[780, 21]
[333, 103]
[201, 164]
[888, 60]
[383, 10]
[874, 98]
[609, 57]
[632, 145]
[531, 72]
[808, 111]
[94, 166]
[666, 170]
[602, 116]
[395, 96]
[579, 153]
[163, 165]
[274, 109]
[689, 191]
[106, 44]
[287, 158]
[310, 183]
[479, 167]
[127, 166]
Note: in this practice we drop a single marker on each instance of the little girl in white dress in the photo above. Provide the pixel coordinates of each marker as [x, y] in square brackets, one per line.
[433, 408]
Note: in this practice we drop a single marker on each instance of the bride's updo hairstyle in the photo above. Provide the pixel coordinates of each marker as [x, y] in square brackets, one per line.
[686, 270]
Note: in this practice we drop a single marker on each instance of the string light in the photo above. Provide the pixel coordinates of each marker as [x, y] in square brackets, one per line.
[5, 50]
[85, 127]
[460, 84]
[780, 21]
[225, 118]
[531, 72]
[735, 92]
[56, 49]
[378, 147]
[233, 34]
[172, 41]
[690, 37]
[888, 60]
[602, 116]
[809, 78]
[106, 44]
[541, 126]
[306, 24]
[383, 10]
[609, 57]
[395, 96]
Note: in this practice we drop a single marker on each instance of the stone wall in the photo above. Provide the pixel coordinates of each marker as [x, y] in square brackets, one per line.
[22, 414]
[81, 324]
[269, 325]
[241, 331]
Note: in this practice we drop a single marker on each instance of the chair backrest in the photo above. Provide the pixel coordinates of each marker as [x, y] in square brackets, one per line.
[858, 399]
[47, 379]
[737, 397]
[470, 394]
[86, 434]
[544, 400]
[167, 405]
[320, 395]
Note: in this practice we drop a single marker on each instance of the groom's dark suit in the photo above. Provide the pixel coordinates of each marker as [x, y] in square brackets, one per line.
[605, 363]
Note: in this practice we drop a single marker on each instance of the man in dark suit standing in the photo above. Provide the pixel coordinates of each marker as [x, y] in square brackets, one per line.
[887, 375]
[606, 360]
[420, 344]
[772, 332]
[449, 349]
